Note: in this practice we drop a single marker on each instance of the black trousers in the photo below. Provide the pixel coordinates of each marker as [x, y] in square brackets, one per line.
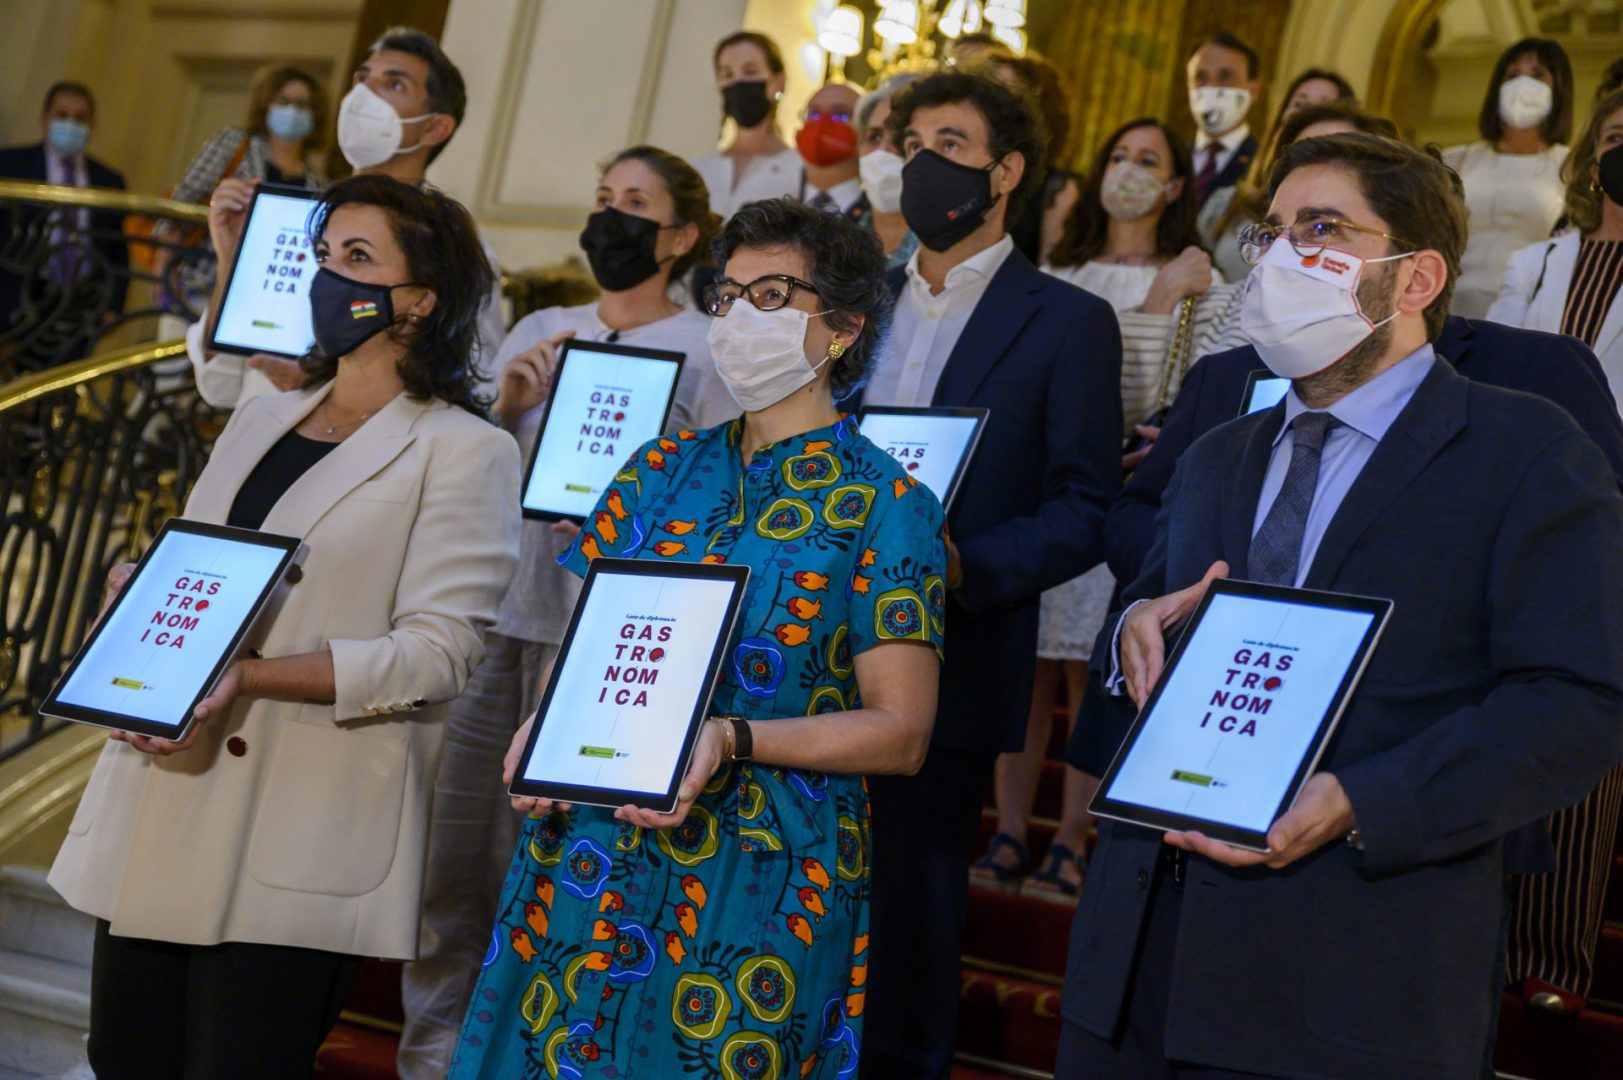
[1139, 1051]
[923, 828]
[190, 1012]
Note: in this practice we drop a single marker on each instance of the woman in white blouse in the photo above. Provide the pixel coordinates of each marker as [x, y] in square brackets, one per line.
[757, 163]
[1512, 177]
[1131, 241]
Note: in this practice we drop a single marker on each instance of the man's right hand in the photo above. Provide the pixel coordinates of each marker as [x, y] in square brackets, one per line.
[1142, 640]
[527, 380]
[228, 213]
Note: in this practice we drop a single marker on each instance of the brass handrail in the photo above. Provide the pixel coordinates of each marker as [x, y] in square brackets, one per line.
[26, 388]
[103, 199]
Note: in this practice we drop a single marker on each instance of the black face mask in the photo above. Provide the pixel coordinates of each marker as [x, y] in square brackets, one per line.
[620, 248]
[1611, 174]
[746, 102]
[345, 313]
[943, 201]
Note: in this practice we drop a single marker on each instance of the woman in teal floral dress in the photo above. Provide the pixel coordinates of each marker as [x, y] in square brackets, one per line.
[729, 939]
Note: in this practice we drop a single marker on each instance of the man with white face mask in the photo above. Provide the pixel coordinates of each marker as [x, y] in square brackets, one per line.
[405, 104]
[1224, 80]
[1496, 528]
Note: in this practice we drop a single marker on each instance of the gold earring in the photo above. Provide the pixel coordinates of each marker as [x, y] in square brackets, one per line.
[835, 350]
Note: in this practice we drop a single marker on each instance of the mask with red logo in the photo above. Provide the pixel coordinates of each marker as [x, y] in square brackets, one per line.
[826, 139]
[1302, 312]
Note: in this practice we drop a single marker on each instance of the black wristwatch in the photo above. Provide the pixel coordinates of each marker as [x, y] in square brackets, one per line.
[741, 741]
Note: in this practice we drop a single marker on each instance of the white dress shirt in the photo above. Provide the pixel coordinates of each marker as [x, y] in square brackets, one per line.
[845, 194]
[1228, 146]
[927, 327]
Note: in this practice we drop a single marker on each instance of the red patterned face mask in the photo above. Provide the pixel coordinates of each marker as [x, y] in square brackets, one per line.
[826, 139]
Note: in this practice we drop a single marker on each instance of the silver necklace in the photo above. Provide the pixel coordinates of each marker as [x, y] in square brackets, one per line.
[332, 428]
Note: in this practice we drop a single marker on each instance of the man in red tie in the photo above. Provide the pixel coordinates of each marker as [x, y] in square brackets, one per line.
[1224, 80]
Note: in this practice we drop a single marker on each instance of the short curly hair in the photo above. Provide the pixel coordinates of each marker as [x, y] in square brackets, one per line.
[1013, 124]
[847, 268]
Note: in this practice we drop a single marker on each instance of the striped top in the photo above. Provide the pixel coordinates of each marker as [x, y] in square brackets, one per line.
[1595, 281]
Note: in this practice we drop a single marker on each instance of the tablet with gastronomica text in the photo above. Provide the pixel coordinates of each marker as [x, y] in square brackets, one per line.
[1242, 711]
[266, 308]
[632, 683]
[174, 629]
[933, 444]
[607, 400]
[1263, 390]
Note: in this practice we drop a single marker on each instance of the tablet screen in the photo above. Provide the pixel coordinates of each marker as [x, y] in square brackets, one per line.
[632, 682]
[267, 302]
[174, 628]
[1263, 391]
[934, 445]
[1244, 708]
[607, 400]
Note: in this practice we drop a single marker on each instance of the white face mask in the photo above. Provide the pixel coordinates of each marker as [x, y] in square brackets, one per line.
[369, 129]
[882, 180]
[1129, 190]
[1305, 318]
[1219, 109]
[761, 355]
[1524, 101]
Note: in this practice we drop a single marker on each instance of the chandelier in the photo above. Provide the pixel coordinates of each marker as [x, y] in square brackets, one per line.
[908, 34]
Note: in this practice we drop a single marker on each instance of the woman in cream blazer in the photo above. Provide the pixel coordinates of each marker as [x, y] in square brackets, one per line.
[298, 817]
[1534, 293]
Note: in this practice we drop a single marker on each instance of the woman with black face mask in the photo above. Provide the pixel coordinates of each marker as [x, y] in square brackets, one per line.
[239, 874]
[756, 163]
[1569, 285]
[652, 225]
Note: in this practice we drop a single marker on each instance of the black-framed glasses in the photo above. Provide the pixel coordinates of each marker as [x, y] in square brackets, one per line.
[767, 293]
[1307, 238]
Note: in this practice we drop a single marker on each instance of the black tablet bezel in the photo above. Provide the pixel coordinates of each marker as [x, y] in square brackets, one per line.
[1150, 817]
[214, 344]
[979, 415]
[54, 707]
[569, 347]
[1252, 381]
[613, 797]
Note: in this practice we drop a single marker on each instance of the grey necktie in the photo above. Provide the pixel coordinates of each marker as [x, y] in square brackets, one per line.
[824, 201]
[1277, 547]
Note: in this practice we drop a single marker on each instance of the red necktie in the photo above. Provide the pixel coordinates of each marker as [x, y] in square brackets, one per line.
[1208, 173]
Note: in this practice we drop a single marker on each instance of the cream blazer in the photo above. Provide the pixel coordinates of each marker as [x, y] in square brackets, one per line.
[1533, 295]
[315, 834]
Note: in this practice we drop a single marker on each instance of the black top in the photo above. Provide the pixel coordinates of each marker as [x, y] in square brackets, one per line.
[273, 175]
[284, 463]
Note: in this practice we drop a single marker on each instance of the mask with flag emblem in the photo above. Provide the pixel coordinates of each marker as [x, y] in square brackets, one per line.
[344, 313]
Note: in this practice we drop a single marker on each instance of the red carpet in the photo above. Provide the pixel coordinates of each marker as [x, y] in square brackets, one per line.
[1014, 958]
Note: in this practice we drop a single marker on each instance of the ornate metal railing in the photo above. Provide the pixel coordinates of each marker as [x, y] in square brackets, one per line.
[85, 268]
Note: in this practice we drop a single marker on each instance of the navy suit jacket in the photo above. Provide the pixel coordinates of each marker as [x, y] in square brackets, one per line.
[28, 163]
[1494, 698]
[1045, 358]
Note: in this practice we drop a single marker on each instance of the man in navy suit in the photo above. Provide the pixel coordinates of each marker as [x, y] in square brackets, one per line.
[1225, 80]
[66, 120]
[1360, 944]
[977, 325]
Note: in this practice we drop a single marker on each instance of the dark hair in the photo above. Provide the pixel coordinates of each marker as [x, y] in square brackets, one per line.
[1251, 193]
[1584, 202]
[1557, 127]
[1413, 191]
[443, 253]
[1087, 229]
[447, 93]
[1344, 90]
[774, 55]
[690, 196]
[1047, 90]
[1013, 124]
[984, 39]
[271, 78]
[1253, 62]
[847, 270]
[1611, 79]
[68, 86]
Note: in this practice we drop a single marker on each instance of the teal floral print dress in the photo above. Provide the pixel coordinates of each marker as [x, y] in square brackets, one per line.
[735, 945]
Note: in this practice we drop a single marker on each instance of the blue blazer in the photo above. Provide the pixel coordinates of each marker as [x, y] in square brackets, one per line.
[1045, 358]
[28, 163]
[1494, 698]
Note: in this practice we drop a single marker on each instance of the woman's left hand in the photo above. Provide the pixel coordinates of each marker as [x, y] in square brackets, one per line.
[706, 760]
[231, 685]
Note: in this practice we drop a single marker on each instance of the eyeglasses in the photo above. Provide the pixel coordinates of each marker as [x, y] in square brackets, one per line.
[1307, 238]
[842, 116]
[303, 103]
[767, 293]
